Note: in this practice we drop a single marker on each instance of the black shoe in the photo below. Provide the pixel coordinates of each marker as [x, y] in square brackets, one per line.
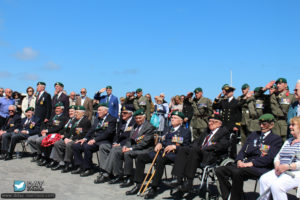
[8, 157]
[2, 156]
[87, 173]
[102, 179]
[127, 183]
[66, 169]
[77, 171]
[186, 186]
[172, 183]
[43, 162]
[36, 158]
[134, 190]
[116, 180]
[57, 167]
[152, 193]
[51, 164]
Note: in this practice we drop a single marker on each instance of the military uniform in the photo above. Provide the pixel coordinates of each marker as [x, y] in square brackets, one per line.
[142, 103]
[202, 109]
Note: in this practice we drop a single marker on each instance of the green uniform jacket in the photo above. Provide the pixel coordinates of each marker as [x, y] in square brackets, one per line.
[202, 109]
[143, 103]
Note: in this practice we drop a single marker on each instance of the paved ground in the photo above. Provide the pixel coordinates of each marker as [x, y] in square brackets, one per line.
[68, 186]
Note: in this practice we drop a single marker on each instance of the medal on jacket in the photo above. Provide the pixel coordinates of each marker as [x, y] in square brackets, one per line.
[138, 139]
[177, 140]
[264, 149]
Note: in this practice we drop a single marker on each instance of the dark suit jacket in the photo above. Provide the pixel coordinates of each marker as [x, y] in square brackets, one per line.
[43, 107]
[113, 104]
[88, 104]
[56, 124]
[122, 135]
[231, 112]
[250, 151]
[34, 127]
[78, 130]
[218, 146]
[64, 99]
[105, 133]
[182, 132]
[12, 123]
[146, 134]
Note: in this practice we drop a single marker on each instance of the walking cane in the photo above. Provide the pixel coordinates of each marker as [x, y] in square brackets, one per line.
[152, 164]
[151, 177]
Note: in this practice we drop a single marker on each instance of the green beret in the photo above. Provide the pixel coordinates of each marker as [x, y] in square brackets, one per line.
[267, 118]
[257, 89]
[245, 86]
[138, 90]
[108, 87]
[58, 83]
[41, 83]
[215, 116]
[139, 112]
[179, 114]
[29, 109]
[102, 104]
[198, 89]
[80, 108]
[281, 80]
[59, 104]
[225, 85]
[73, 107]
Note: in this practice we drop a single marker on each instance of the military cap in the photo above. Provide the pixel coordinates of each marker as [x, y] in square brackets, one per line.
[108, 87]
[215, 116]
[59, 104]
[225, 85]
[245, 86]
[58, 83]
[198, 89]
[266, 118]
[127, 107]
[73, 107]
[138, 90]
[179, 114]
[281, 80]
[80, 108]
[139, 112]
[229, 88]
[41, 83]
[29, 109]
[102, 104]
[257, 89]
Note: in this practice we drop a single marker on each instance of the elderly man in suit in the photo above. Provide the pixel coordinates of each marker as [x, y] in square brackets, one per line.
[60, 96]
[85, 101]
[12, 122]
[173, 140]
[110, 99]
[206, 149]
[254, 159]
[102, 132]
[30, 125]
[110, 164]
[43, 105]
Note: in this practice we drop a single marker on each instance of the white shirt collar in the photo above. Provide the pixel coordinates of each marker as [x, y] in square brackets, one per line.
[176, 128]
[230, 98]
[266, 134]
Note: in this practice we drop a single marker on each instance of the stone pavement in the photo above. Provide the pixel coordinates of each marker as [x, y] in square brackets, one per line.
[69, 186]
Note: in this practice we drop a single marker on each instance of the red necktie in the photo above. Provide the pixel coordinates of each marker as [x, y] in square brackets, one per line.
[206, 139]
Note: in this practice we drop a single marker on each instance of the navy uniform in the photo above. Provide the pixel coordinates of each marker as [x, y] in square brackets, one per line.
[43, 104]
[75, 129]
[102, 132]
[60, 97]
[259, 152]
[12, 122]
[179, 136]
[109, 155]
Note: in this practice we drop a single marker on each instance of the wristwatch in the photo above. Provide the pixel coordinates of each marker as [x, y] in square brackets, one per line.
[290, 167]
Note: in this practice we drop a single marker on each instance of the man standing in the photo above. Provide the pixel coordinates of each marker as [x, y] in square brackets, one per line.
[202, 109]
[72, 99]
[60, 96]
[141, 102]
[111, 100]
[280, 103]
[5, 102]
[43, 105]
[255, 158]
[86, 102]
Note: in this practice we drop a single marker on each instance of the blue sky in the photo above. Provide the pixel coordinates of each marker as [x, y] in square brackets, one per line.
[159, 45]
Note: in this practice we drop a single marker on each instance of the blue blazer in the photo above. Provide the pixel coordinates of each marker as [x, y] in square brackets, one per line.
[113, 104]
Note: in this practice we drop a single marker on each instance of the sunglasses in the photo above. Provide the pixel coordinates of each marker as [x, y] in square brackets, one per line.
[125, 113]
[263, 123]
[30, 91]
[82, 92]
[11, 111]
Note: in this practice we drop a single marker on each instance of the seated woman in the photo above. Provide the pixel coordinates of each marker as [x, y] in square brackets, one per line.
[278, 181]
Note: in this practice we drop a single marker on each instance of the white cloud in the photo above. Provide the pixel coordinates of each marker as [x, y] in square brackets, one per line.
[29, 77]
[27, 53]
[51, 66]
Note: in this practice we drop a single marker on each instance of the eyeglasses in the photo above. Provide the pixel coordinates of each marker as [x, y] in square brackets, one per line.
[263, 123]
[30, 91]
[11, 111]
[125, 113]
[82, 92]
